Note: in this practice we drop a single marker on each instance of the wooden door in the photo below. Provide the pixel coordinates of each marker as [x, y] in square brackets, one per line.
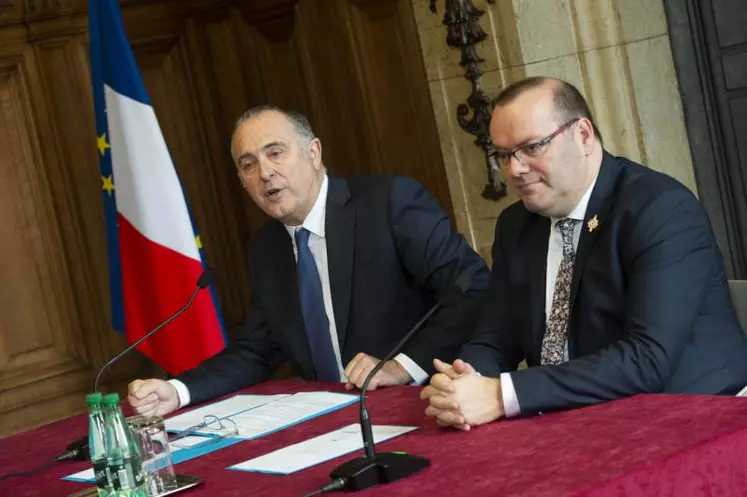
[709, 43]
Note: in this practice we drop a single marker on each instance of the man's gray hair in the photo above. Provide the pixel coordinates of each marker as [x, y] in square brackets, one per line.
[301, 124]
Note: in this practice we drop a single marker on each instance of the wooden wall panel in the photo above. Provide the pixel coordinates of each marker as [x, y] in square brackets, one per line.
[276, 42]
[353, 67]
[336, 105]
[69, 137]
[396, 96]
[227, 84]
[42, 352]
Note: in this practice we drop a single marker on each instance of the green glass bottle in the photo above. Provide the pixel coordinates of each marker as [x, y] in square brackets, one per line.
[124, 460]
[97, 444]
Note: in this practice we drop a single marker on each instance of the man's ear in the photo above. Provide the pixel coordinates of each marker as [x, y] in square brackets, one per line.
[315, 152]
[586, 130]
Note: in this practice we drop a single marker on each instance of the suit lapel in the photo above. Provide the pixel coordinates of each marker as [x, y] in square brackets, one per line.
[594, 221]
[536, 249]
[340, 236]
[287, 288]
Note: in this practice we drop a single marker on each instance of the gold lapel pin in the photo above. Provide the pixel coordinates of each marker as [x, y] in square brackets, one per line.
[593, 223]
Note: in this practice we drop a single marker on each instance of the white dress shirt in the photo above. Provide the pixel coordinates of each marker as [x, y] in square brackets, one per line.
[554, 256]
[315, 223]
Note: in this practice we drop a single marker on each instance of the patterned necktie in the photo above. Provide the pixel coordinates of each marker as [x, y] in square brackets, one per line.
[553, 343]
[312, 309]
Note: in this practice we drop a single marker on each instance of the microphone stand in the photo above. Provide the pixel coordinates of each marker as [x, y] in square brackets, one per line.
[79, 448]
[385, 467]
[143, 338]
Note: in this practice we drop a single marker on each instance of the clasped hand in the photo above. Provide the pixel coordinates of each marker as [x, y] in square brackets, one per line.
[460, 398]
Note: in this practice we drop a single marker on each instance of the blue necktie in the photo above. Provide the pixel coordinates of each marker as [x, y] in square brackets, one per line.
[312, 309]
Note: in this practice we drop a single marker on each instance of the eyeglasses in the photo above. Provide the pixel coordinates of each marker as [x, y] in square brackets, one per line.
[531, 150]
[212, 426]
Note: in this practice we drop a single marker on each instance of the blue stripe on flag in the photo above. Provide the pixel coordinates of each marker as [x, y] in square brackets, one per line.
[105, 165]
[214, 296]
[201, 251]
[119, 70]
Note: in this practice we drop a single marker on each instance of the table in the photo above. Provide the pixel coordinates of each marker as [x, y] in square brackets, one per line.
[645, 445]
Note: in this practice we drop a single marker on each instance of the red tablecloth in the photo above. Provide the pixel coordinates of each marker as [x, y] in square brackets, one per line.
[646, 445]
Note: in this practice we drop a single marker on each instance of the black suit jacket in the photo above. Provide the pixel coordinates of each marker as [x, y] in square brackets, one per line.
[391, 253]
[650, 306]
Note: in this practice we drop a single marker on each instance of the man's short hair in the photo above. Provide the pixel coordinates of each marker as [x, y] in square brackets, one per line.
[567, 100]
[301, 124]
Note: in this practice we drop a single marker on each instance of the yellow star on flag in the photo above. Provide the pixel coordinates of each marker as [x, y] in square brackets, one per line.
[107, 183]
[102, 144]
[198, 242]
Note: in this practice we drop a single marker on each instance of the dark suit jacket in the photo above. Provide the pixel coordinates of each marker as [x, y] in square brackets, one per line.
[391, 253]
[650, 306]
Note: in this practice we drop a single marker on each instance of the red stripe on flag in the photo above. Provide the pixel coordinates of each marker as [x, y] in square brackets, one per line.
[157, 282]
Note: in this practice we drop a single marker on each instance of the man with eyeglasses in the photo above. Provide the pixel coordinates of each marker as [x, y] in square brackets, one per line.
[606, 278]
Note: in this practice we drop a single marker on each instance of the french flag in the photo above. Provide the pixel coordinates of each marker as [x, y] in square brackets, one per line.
[155, 254]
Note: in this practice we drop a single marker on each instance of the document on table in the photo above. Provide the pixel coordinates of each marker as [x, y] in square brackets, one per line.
[220, 409]
[254, 415]
[288, 411]
[318, 449]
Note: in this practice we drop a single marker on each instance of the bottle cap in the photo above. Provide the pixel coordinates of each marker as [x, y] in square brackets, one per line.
[93, 399]
[110, 400]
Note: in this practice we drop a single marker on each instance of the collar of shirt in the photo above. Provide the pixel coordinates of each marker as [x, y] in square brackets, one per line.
[579, 212]
[314, 222]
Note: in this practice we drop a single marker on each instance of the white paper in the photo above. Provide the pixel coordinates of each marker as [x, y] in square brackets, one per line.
[318, 449]
[187, 442]
[86, 475]
[221, 409]
[742, 393]
[288, 411]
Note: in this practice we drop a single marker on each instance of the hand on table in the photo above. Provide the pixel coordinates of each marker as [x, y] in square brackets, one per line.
[152, 397]
[460, 398]
[392, 373]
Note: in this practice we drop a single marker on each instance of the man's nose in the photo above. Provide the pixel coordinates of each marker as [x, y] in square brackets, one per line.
[515, 167]
[266, 170]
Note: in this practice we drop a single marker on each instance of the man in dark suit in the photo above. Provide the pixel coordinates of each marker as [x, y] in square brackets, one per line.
[606, 278]
[342, 270]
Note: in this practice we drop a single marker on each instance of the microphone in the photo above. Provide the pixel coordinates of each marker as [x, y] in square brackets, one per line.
[372, 468]
[205, 280]
[78, 450]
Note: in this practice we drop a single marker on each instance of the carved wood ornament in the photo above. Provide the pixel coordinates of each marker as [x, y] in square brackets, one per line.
[462, 20]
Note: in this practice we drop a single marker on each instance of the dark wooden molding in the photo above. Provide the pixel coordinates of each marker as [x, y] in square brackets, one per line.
[33, 6]
[274, 19]
[373, 3]
[266, 10]
[383, 8]
[717, 181]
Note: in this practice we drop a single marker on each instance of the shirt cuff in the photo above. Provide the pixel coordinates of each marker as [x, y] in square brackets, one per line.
[418, 375]
[182, 392]
[511, 406]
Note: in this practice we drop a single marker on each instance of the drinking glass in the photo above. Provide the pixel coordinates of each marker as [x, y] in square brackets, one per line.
[153, 440]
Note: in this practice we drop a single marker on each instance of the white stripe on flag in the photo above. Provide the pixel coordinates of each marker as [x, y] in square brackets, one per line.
[148, 191]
